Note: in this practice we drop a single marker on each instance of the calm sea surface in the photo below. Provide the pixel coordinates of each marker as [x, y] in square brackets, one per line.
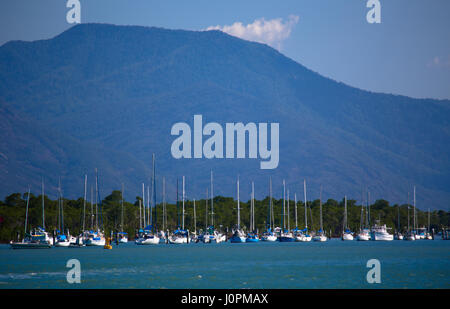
[333, 264]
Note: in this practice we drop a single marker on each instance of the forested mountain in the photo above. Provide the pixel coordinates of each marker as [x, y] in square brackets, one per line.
[104, 96]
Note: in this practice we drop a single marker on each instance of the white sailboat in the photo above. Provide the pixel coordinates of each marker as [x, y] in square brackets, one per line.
[80, 240]
[252, 236]
[194, 234]
[238, 234]
[304, 236]
[218, 235]
[180, 236]
[149, 234]
[31, 241]
[346, 233]
[409, 235]
[211, 234]
[398, 235]
[429, 235]
[320, 236]
[364, 232]
[62, 240]
[123, 237]
[417, 236]
[269, 234]
[206, 236]
[96, 237]
[285, 234]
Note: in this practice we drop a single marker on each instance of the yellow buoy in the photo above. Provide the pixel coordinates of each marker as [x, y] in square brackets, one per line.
[107, 245]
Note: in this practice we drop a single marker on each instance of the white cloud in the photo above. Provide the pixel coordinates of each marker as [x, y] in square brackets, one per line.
[272, 32]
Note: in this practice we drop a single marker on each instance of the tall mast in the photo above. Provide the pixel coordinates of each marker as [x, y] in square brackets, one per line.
[429, 220]
[268, 220]
[26, 212]
[195, 220]
[251, 206]
[367, 212]
[361, 221]
[408, 211]
[92, 207]
[238, 205]
[272, 214]
[252, 209]
[143, 204]
[320, 203]
[149, 207]
[368, 207]
[84, 202]
[154, 219]
[270, 204]
[253, 189]
[206, 210]
[121, 222]
[345, 212]
[311, 216]
[212, 200]
[178, 210]
[140, 214]
[295, 207]
[164, 204]
[59, 204]
[284, 205]
[183, 206]
[96, 199]
[414, 210]
[306, 213]
[288, 225]
[43, 206]
[62, 207]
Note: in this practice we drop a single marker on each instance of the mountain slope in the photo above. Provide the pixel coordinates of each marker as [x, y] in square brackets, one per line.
[112, 93]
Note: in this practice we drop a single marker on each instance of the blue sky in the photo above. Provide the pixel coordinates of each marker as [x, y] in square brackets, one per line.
[408, 53]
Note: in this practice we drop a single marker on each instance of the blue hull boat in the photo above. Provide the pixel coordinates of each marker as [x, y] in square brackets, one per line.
[286, 239]
[251, 239]
[237, 239]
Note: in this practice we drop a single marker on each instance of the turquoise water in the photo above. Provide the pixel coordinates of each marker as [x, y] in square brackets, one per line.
[334, 264]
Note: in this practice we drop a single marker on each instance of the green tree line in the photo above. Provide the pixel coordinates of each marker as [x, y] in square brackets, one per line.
[12, 214]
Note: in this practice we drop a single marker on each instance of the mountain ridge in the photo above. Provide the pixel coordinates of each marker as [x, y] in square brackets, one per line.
[112, 84]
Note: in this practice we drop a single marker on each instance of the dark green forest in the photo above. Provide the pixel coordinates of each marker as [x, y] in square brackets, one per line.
[12, 214]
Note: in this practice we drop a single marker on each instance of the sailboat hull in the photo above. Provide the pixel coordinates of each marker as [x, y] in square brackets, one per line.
[28, 245]
[303, 238]
[256, 239]
[62, 243]
[96, 242]
[269, 238]
[363, 237]
[320, 238]
[382, 237]
[237, 239]
[286, 239]
[347, 237]
[177, 240]
[148, 241]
